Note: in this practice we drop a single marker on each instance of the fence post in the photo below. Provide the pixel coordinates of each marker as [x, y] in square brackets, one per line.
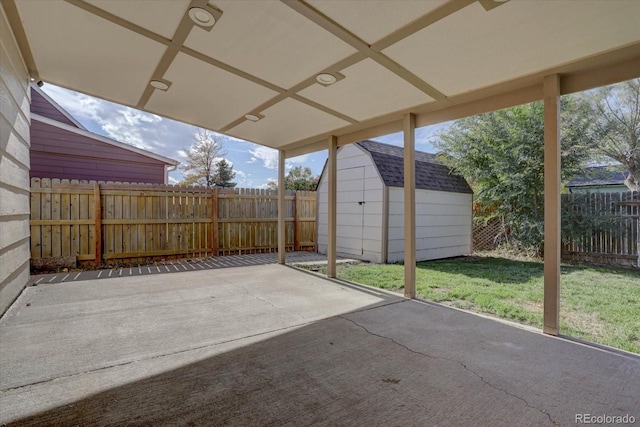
[636, 206]
[213, 243]
[98, 222]
[296, 219]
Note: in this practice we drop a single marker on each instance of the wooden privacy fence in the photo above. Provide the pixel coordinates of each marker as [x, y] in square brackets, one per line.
[606, 228]
[98, 222]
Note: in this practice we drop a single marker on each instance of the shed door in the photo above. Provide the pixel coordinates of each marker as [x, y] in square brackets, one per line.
[350, 211]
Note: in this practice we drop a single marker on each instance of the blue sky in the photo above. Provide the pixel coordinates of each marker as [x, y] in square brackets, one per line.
[254, 165]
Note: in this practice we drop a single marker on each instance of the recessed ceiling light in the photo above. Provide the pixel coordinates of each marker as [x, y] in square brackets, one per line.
[252, 117]
[159, 84]
[326, 79]
[202, 17]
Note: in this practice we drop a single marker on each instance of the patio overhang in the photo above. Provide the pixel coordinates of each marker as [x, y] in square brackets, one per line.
[301, 76]
[438, 60]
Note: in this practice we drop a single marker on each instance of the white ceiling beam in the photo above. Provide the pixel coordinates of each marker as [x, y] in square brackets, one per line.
[343, 34]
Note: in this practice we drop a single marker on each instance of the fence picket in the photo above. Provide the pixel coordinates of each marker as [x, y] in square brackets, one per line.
[111, 222]
[614, 239]
[36, 245]
[616, 243]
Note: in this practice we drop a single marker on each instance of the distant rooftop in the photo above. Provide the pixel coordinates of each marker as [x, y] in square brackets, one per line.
[598, 176]
[430, 173]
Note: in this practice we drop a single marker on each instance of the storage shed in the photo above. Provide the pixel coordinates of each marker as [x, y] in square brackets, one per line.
[370, 211]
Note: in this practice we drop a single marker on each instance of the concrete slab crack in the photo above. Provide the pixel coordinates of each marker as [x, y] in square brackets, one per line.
[152, 357]
[259, 298]
[464, 366]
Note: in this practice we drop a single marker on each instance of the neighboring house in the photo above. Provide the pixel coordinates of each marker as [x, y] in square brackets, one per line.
[62, 148]
[600, 179]
[370, 208]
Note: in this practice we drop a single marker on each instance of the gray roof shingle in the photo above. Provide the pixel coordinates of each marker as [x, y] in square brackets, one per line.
[600, 176]
[430, 173]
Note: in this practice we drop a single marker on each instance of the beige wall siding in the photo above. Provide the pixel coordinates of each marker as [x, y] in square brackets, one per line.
[443, 224]
[14, 168]
[359, 227]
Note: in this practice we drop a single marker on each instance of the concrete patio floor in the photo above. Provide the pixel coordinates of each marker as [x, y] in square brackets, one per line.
[271, 345]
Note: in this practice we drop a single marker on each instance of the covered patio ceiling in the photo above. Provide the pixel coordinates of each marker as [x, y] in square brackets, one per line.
[436, 59]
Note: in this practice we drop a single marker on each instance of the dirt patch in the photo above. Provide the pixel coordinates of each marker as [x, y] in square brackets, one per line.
[532, 307]
[584, 321]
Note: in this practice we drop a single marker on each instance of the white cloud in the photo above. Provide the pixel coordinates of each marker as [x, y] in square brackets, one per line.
[299, 159]
[133, 127]
[424, 137]
[229, 138]
[143, 130]
[268, 156]
[265, 186]
[243, 179]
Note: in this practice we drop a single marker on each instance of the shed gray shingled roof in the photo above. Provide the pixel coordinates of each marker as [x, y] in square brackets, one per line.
[430, 173]
[597, 176]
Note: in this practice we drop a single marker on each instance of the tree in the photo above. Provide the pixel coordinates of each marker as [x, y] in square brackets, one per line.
[224, 174]
[298, 179]
[199, 167]
[502, 154]
[618, 119]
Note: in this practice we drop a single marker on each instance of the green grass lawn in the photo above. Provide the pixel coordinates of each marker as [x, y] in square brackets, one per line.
[598, 304]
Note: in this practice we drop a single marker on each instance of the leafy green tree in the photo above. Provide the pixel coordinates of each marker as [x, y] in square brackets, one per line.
[298, 179]
[200, 165]
[502, 155]
[618, 118]
[224, 174]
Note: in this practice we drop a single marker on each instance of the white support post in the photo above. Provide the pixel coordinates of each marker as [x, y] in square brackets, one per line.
[332, 166]
[552, 212]
[281, 209]
[409, 206]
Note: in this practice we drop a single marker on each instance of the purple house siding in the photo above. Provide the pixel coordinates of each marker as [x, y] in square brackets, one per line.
[62, 148]
[60, 153]
[41, 106]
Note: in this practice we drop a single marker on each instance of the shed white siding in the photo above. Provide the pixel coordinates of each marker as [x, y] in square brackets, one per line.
[360, 226]
[14, 167]
[443, 224]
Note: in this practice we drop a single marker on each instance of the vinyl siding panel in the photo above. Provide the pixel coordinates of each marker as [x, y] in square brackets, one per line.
[14, 168]
[14, 174]
[60, 153]
[443, 224]
[41, 106]
[15, 143]
[13, 230]
[359, 226]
